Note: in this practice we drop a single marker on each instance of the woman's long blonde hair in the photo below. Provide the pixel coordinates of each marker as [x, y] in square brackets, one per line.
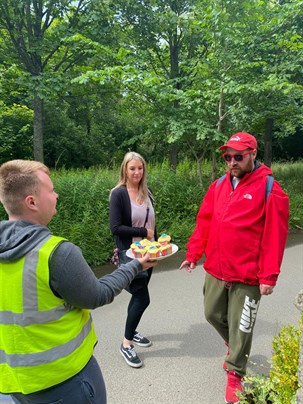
[143, 193]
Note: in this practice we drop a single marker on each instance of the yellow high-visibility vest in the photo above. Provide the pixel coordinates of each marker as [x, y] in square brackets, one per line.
[43, 340]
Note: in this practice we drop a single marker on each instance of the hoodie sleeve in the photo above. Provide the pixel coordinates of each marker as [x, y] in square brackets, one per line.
[198, 240]
[274, 235]
[72, 279]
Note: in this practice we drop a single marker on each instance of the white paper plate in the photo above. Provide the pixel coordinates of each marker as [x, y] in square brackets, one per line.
[175, 248]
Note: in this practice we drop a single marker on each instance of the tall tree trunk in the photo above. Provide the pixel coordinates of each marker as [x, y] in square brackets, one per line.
[38, 129]
[268, 141]
[219, 129]
[173, 159]
[214, 166]
[174, 73]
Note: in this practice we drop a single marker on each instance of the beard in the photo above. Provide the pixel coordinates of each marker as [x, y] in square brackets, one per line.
[240, 171]
[237, 172]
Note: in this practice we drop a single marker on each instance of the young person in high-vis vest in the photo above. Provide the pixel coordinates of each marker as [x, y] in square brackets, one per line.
[47, 289]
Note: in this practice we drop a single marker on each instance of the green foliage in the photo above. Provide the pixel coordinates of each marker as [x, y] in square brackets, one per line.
[290, 178]
[259, 389]
[149, 76]
[281, 385]
[83, 202]
[15, 132]
[284, 370]
[83, 211]
[176, 192]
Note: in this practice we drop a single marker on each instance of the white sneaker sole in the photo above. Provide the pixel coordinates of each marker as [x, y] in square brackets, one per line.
[143, 345]
[133, 365]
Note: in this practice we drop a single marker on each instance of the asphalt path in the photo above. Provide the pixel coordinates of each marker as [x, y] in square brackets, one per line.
[184, 364]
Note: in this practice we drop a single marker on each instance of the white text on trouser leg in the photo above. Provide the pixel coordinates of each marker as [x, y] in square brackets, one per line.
[248, 315]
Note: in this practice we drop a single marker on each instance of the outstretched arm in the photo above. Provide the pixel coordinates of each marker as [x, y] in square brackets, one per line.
[72, 279]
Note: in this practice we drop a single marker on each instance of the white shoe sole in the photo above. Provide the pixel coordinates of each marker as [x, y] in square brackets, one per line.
[143, 345]
[133, 365]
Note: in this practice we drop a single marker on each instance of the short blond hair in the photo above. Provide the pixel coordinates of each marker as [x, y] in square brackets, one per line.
[17, 180]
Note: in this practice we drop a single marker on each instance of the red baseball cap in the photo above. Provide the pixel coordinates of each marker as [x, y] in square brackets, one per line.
[240, 141]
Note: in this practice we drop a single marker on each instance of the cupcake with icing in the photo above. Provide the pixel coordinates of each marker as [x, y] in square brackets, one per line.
[164, 239]
[145, 242]
[166, 249]
[155, 244]
[139, 252]
[135, 245]
[153, 251]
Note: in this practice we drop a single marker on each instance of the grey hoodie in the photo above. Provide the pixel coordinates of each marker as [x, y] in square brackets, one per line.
[71, 278]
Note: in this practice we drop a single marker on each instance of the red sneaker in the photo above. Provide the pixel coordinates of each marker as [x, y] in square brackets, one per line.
[234, 386]
[227, 353]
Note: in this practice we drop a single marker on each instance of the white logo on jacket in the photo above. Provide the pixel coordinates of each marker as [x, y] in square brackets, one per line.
[247, 196]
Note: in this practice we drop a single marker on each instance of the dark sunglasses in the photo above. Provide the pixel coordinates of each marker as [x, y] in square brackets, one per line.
[237, 157]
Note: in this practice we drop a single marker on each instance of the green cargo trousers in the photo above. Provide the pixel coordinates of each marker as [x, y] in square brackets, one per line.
[231, 308]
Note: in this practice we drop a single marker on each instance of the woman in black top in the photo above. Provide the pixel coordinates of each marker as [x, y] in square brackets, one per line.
[132, 218]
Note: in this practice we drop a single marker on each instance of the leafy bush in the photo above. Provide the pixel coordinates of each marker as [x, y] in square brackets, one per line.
[83, 206]
[290, 178]
[281, 385]
[83, 203]
[284, 370]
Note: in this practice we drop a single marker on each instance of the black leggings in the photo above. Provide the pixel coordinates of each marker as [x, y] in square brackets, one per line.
[139, 301]
[137, 305]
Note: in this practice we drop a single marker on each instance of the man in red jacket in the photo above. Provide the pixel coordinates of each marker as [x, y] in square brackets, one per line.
[241, 228]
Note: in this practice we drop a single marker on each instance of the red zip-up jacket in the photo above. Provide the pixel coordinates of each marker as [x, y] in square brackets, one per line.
[241, 233]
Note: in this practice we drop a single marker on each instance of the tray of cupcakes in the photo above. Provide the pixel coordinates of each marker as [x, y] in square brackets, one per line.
[158, 250]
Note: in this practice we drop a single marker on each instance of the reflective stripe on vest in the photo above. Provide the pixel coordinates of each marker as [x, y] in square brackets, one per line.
[30, 296]
[38, 358]
[43, 340]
